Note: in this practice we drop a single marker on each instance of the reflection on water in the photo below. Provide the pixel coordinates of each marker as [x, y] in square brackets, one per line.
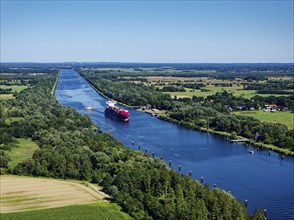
[265, 181]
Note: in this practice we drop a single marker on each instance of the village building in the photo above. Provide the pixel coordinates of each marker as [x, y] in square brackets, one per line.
[271, 108]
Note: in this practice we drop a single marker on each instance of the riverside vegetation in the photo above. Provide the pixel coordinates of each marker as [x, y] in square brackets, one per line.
[203, 113]
[145, 188]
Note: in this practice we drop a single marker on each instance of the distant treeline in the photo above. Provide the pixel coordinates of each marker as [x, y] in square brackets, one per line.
[192, 73]
[221, 67]
[282, 92]
[172, 89]
[278, 85]
[130, 79]
[25, 71]
[187, 69]
[217, 71]
[5, 91]
[19, 80]
[191, 85]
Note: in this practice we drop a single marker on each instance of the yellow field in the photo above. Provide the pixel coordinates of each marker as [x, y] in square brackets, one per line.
[26, 193]
[6, 96]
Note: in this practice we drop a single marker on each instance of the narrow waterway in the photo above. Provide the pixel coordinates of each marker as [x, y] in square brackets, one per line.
[267, 182]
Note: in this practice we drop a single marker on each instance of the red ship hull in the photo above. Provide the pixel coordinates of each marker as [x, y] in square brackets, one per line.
[117, 113]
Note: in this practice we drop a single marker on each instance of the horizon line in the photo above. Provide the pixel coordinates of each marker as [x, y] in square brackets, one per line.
[131, 62]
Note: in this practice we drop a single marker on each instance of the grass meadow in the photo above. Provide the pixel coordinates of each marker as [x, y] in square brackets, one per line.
[23, 150]
[236, 90]
[286, 118]
[15, 88]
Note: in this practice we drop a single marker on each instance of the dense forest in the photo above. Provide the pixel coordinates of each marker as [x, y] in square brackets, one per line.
[5, 91]
[272, 87]
[198, 112]
[132, 94]
[70, 148]
[172, 89]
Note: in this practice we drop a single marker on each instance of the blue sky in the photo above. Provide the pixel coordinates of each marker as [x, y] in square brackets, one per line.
[141, 31]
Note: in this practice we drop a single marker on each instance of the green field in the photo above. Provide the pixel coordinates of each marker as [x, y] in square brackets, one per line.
[286, 118]
[14, 88]
[103, 210]
[24, 150]
[236, 90]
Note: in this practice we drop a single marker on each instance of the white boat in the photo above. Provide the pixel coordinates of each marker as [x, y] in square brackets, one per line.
[250, 151]
[89, 108]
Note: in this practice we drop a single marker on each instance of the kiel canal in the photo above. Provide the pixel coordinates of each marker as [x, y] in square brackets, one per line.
[266, 181]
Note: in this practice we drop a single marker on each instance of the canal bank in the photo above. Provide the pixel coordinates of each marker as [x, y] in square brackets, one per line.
[258, 145]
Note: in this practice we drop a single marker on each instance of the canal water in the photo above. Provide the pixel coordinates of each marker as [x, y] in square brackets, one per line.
[267, 182]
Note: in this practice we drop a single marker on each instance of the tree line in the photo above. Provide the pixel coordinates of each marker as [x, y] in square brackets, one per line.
[271, 85]
[6, 91]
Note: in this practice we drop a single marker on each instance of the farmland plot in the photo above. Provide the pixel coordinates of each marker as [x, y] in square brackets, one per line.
[25, 193]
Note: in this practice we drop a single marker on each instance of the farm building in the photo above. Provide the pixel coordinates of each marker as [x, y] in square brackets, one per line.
[271, 108]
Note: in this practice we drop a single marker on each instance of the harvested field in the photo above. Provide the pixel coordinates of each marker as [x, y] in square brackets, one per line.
[25, 193]
[6, 96]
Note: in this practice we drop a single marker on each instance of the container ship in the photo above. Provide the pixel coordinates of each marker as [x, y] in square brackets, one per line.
[115, 112]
